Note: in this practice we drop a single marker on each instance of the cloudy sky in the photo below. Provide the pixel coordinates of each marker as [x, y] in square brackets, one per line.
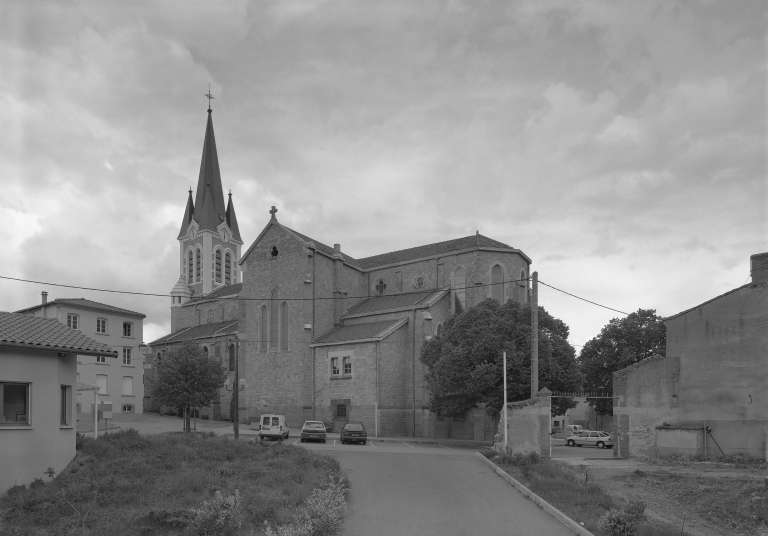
[621, 145]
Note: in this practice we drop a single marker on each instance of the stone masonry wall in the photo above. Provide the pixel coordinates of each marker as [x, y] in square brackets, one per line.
[528, 426]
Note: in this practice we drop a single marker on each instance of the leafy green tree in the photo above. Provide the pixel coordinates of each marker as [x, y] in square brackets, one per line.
[622, 342]
[465, 362]
[188, 378]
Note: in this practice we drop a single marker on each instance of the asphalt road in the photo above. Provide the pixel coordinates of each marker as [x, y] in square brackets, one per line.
[417, 489]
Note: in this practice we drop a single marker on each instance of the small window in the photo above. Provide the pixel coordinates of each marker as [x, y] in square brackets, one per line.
[128, 385]
[127, 359]
[127, 329]
[72, 321]
[265, 422]
[66, 405]
[380, 287]
[347, 361]
[159, 358]
[231, 357]
[101, 325]
[275, 421]
[78, 408]
[101, 382]
[14, 403]
[198, 265]
[217, 266]
[274, 252]
[205, 351]
[127, 408]
[439, 330]
[335, 366]
[101, 359]
[341, 411]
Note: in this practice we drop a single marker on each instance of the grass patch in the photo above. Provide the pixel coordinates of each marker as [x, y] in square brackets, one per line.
[570, 491]
[126, 483]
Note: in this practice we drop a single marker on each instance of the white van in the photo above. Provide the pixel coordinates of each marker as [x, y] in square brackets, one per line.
[273, 427]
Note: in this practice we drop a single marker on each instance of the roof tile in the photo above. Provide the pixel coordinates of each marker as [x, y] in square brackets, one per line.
[47, 334]
[352, 332]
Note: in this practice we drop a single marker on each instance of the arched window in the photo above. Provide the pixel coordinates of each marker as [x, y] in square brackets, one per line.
[205, 351]
[198, 265]
[497, 285]
[524, 286]
[459, 290]
[284, 325]
[231, 357]
[190, 267]
[263, 334]
[274, 319]
[228, 275]
[217, 267]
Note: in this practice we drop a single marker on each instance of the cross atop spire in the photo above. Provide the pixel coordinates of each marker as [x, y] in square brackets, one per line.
[273, 212]
[210, 98]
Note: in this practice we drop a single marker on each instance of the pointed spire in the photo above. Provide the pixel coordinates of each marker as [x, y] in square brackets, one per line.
[209, 212]
[232, 219]
[188, 214]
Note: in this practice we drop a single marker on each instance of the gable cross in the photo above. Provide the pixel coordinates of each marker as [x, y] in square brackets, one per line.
[273, 212]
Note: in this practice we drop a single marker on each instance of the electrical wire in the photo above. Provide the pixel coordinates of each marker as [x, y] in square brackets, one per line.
[205, 296]
[583, 299]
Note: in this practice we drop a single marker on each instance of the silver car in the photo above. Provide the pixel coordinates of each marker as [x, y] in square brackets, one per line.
[600, 440]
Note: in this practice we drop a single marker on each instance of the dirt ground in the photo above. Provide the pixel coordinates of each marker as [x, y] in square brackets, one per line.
[715, 499]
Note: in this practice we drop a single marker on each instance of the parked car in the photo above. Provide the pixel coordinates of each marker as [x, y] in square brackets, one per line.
[273, 427]
[600, 440]
[313, 430]
[354, 432]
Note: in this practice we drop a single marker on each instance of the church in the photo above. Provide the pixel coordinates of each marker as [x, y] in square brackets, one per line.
[319, 334]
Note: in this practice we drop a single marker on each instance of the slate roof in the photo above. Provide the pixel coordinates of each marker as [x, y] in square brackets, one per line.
[431, 250]
[395, 301]
[204, 331]
[27, 331]
[325, 249]
[353, 332]
[226, 290]
[82, 303]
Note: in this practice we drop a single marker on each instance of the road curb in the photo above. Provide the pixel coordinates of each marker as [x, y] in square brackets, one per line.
[544, 505]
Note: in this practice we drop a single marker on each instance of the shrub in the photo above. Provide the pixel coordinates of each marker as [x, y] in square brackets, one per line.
[739, 458]
[220, 515]
[622, 522]
[321, 514]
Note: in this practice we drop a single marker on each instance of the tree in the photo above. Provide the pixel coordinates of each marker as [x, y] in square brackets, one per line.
[188, 378]
[622, 342]
[465, 363]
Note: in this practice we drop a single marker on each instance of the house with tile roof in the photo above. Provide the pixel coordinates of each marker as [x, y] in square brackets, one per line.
[121, 381]
[320, 334]
[38, 382]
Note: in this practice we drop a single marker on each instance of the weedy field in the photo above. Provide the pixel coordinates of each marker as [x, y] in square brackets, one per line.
[126, 483]
[570, 491]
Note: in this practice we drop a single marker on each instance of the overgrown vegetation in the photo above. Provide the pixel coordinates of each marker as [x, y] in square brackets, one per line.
[126, 483]
[466, 365]
[571, 492]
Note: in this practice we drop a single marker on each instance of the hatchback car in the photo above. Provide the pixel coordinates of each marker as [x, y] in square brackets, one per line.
[600, 440]
[314, 431]
[354, 432]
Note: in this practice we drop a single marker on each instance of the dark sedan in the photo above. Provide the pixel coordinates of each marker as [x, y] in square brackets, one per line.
[354, 432]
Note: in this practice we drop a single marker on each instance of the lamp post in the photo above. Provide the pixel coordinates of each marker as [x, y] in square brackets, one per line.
[237, 386]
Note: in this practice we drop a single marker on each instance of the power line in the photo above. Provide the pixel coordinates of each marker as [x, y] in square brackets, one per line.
[204, 296]
[583, 299]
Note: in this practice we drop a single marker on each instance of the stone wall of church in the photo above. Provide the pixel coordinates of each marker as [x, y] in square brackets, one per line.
[438, 273]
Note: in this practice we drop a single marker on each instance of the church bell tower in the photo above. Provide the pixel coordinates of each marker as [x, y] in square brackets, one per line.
[209, 238]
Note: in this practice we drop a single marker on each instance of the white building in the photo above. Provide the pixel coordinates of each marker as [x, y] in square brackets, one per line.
[120, 380]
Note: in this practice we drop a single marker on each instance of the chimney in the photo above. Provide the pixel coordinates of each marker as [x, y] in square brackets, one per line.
[758, 268]
[44, 294]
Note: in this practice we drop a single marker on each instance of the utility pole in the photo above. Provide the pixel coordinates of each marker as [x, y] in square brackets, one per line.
[535, 335]
[505, 401]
